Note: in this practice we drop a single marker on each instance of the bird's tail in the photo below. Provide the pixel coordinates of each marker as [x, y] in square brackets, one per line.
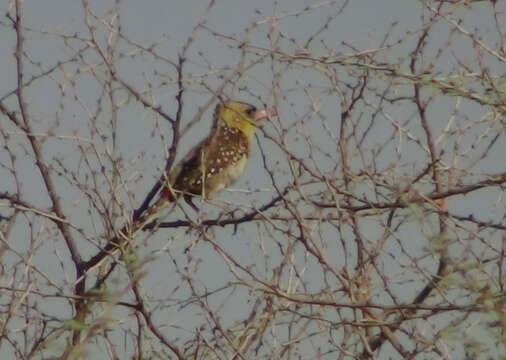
[153, 214]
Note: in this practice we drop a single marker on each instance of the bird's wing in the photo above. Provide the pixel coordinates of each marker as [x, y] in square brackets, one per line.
[187, 174]
[191, 158]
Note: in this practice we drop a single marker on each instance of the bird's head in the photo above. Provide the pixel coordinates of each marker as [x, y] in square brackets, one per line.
[241, 116]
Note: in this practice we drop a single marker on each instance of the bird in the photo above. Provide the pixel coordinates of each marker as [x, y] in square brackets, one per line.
[211, 166]
[220, 159]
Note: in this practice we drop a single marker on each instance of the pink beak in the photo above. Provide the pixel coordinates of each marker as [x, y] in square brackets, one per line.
[264, 114]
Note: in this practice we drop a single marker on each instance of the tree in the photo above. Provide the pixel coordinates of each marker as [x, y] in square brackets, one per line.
[369, 224]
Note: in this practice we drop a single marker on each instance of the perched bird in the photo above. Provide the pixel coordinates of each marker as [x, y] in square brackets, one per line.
[220, 159]
[214, 164]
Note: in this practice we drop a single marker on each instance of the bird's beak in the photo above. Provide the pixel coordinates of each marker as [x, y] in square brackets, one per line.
[264, 114]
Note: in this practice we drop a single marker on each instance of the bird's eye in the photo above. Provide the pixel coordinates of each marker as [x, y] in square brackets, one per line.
[250, 110]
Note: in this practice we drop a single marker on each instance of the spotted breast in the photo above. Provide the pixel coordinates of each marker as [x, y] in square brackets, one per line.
[214, 165]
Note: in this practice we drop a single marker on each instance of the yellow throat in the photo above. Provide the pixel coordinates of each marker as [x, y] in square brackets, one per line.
[238, 115]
